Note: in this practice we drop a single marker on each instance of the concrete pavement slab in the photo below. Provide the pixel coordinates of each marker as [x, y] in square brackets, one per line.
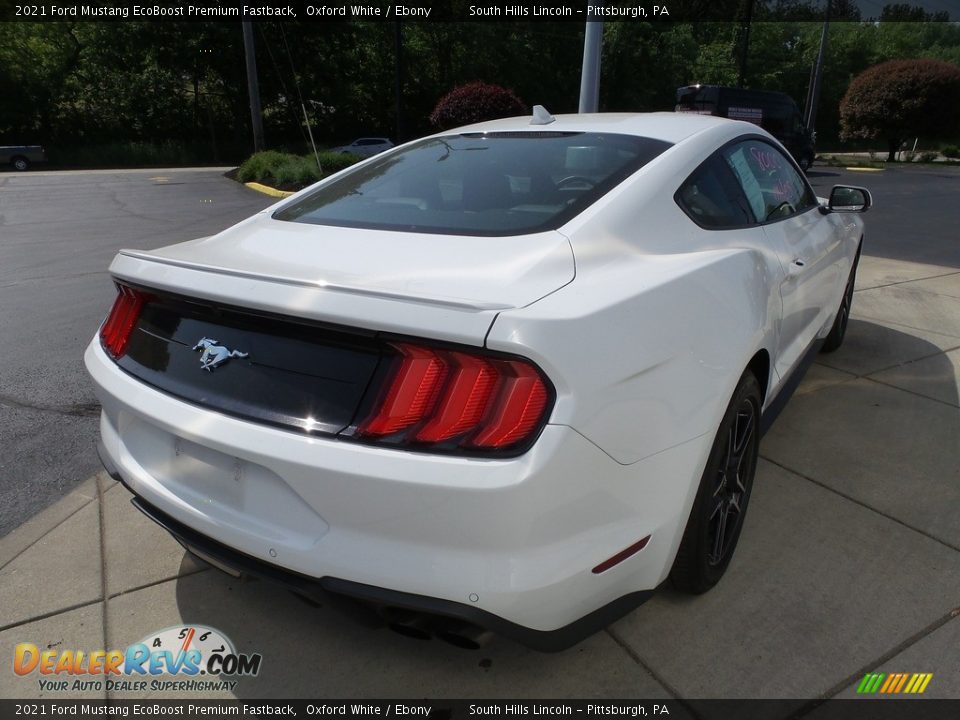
[944, 285]
[879, 271]
[814, 578]
[937, 377]
[820, 376]
[908, 305]
[891, 450]
[61, 570]
[39, 525]
[936, 653]
[313, 652]
[138, 552]
[80, 629]
[873, 345]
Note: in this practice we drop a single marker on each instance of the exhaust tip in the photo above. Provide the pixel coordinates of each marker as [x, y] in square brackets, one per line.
[464, 635]
[407, 623]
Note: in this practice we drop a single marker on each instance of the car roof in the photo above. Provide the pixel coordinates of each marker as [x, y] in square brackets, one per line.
[670, 127]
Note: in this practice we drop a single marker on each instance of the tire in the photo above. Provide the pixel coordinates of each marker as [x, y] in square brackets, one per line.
[805, 162]
[20, 163]
[720, 506]
[834, 339]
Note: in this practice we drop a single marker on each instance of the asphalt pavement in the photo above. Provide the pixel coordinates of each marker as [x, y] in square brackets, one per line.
[849, 562]
[59, 231]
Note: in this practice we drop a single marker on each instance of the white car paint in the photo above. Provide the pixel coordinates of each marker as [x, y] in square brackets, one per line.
[642, 321]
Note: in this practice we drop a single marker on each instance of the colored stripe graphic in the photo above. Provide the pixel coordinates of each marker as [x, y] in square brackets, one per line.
[894, 683]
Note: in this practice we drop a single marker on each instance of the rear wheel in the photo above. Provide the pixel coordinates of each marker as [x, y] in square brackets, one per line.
[834, 340]
[21, 164]
[721, 503]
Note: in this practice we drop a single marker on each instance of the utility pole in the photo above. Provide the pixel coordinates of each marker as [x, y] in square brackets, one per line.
[398, 79]
[256, 114]
[590, 74]
[811, 119]
[745, 44]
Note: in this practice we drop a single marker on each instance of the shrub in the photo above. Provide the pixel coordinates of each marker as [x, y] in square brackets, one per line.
[291, 171]
[475, 102]
[927, 156]
[332, 162]
[951, 151]
[902, 98]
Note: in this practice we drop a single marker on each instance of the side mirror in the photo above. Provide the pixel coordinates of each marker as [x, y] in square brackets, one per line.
[849, 198]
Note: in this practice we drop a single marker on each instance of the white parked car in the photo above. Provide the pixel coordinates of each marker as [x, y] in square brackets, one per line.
[507, 378]
[365, 147]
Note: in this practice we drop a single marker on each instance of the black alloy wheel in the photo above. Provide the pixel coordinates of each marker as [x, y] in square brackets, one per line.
[720, 506]
[731, 491]
[834, 340]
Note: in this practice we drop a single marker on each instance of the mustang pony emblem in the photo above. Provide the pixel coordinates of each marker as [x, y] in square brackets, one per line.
[215, 355]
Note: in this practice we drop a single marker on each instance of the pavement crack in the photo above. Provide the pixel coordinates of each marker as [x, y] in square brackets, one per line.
[47, 532]
[862, 504]
[911, 392]
[52, 613]
[161, 581]
[663, 682]
[913, 280]
[872, 666]
[91, 409]
[103, 565]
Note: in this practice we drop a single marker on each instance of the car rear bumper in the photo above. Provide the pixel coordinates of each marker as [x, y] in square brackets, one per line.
[506, 544]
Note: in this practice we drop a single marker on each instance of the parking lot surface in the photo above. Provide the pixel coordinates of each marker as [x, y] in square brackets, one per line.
[849, 561]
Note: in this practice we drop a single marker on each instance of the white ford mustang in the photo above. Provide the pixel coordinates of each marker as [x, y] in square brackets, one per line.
[507, 378]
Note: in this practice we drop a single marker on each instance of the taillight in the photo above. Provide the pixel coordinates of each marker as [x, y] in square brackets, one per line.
[115, 332]
[460, 399]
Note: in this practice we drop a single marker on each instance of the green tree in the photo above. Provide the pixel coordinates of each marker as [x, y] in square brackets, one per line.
[902, 98]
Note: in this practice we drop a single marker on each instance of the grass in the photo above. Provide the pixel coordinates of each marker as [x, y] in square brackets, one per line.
[850, 161]
[291, 172]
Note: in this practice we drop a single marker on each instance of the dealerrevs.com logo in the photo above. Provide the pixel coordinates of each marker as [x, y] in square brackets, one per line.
[182, 654]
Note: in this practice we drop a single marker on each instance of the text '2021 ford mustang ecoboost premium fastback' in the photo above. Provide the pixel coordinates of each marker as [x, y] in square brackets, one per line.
[507, 378]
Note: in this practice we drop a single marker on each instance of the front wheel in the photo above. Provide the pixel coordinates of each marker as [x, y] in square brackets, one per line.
[721, 503]
[21, 164]
[834, 340]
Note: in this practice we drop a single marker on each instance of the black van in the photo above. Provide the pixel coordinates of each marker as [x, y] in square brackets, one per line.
[775, 112]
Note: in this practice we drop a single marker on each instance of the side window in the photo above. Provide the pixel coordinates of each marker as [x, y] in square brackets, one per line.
[711, 198]
[774, 189]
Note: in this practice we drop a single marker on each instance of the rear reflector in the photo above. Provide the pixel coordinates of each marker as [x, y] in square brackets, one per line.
[115, 332]
[621, 556]
[466, 399]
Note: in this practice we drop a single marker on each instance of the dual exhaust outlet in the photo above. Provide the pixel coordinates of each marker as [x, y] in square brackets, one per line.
[421, 626]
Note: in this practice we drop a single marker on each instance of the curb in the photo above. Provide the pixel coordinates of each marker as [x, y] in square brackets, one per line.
[267, 190]
[39, 525]
[865, 169]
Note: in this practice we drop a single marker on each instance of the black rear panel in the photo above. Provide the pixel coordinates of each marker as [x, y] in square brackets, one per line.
[296, 375]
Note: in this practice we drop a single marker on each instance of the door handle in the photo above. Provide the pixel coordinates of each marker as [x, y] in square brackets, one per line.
[796, 267]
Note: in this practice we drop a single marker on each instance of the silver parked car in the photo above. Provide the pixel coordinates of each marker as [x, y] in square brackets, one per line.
[365, 147]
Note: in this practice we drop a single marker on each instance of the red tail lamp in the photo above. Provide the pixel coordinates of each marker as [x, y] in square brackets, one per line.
[115, 332]
[479, 402]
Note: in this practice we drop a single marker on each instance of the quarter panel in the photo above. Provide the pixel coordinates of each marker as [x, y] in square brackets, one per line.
[645, 353]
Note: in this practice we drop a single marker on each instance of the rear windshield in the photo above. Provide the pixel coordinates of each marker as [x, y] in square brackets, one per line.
[478, 184]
